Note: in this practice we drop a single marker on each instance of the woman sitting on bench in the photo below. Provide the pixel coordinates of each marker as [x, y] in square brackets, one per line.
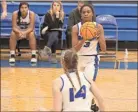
[23, 24]
[53, 20]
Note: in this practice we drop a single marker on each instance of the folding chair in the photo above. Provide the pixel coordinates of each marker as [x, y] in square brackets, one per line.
[40, 25]
[6, 26]
[37, 30]
[109, 21]
[5, 29]
[63, 38]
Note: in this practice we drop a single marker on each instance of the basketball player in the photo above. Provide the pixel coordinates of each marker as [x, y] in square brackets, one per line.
[88, 50]
[4, 9]
[23, 23]
[72, 91]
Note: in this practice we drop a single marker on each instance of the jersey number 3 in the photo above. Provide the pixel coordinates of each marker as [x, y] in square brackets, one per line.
[87, 44]
[79, 94]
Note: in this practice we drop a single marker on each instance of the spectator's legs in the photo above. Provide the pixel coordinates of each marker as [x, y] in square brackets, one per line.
[54, 46]
[12, 44]
[32, 40]
[53, 40]
[13, 41]
[32, 43]
[52, 43]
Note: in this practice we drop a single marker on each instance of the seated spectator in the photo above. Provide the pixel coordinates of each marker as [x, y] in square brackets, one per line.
[23, 24]
[53, 19]
[74, 18]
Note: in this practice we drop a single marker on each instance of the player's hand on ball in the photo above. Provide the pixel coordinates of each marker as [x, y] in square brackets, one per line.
[81, 41]
[98, 32]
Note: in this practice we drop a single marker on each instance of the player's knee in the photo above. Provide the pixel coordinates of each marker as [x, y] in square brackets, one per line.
[31, 35]
[13, 35]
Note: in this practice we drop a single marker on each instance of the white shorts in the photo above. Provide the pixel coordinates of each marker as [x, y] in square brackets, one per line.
[89, 65]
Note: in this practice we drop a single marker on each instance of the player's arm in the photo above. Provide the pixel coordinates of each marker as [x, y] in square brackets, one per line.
[32, 23]
[102, 41]
[4, 6]
[15, 27]
[4, 9]
[76, 44]
[98, 96]
[57, 95]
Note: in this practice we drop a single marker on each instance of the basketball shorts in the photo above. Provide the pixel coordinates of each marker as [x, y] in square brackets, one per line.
[89, 65]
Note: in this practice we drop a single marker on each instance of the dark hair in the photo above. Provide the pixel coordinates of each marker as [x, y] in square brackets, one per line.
[85, 2]
[90, 6]
[19, 12]
[70, 62]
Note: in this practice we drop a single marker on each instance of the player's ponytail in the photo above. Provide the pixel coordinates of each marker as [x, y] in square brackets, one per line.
[78, 77]
[67, 73]
[19, 15]
[70, 63]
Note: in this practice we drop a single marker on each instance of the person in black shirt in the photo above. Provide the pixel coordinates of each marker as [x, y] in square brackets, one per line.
[53, 19]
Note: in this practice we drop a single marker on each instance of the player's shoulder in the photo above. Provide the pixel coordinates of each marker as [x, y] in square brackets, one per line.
[15, 12]
[59, 79]
[31, 13]
[75, 28]
[57, 83]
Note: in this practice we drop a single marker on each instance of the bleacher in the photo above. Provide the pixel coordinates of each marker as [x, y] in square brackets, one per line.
[126, 15]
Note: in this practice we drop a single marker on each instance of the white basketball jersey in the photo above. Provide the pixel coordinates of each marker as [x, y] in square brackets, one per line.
[24, 22]
[90, 47]
[79, 100]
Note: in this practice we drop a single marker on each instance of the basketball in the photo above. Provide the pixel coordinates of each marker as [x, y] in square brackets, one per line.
[88, 30]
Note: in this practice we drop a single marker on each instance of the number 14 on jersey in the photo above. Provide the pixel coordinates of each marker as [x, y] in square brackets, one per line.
[81, 93]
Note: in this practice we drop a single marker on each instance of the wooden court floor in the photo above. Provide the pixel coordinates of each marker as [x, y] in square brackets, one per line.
[28, 89]
[132, 56]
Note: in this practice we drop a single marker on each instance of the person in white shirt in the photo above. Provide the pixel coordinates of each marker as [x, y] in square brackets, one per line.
[23, 26]
[72, 91]
[88, 49]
